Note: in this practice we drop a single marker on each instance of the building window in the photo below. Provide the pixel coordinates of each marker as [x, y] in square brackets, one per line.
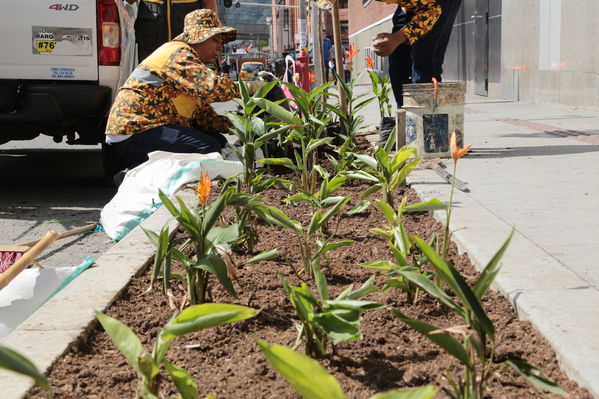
[344, 32]
[343, 4]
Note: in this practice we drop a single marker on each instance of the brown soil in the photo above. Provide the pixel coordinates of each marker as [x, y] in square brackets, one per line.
[226, 359]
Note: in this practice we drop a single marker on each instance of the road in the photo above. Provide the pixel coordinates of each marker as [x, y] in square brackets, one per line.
[48, 186]
[55, 186]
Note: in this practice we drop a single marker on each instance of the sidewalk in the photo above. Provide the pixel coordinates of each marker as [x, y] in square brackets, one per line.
[535, 169]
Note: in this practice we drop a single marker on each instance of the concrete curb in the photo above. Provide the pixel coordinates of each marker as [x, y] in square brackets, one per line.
[69, 315]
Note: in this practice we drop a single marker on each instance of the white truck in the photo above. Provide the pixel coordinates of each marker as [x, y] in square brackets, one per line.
[60, 65]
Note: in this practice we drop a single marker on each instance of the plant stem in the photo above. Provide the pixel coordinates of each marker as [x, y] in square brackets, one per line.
[449, 209]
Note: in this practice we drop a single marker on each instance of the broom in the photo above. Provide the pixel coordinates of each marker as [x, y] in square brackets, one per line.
[26, 259]
[12, 257]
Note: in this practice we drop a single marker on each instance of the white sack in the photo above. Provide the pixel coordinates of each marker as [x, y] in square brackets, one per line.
[30, 289]
[137, 197]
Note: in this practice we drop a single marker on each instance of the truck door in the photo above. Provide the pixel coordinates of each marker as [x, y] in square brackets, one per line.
[48, 40]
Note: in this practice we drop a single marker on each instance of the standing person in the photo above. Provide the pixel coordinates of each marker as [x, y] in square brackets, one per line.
[165, 103]
[347, 66]
[412, 20]
[327, 45]
[428, 53]
[416, 47]
[159, 21]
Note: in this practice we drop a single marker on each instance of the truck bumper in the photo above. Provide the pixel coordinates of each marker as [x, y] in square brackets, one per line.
[50, 104]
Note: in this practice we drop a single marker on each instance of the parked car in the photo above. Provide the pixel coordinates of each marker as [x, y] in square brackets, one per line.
[60, 69]
[250, 70]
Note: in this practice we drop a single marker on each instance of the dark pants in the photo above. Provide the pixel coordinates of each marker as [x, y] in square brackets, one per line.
[423, 60]
[428, 52]
[400, 61]
[134, 150]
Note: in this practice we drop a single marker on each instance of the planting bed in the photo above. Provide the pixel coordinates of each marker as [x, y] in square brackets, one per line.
[225, 360]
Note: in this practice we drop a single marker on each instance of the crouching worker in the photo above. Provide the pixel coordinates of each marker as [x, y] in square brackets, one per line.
[165, 103]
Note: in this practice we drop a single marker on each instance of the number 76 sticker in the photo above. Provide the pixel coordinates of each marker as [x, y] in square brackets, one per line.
[45, 46]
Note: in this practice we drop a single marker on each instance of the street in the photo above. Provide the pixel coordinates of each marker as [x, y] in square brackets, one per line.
[53, 186]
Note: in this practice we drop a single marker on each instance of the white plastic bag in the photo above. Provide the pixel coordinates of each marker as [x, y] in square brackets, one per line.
[137, 197]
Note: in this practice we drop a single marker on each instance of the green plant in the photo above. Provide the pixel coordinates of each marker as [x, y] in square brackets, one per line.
[207, 241]
[456, 154]
[401, 246]
[312, 381]
[351, 121]
[253, 134]
[381, 88]
[13, 361]
[306, 133]
[323, 319]
[314, 242]
[475, 346]
[344, 158]
[148, 365]
[386, 173]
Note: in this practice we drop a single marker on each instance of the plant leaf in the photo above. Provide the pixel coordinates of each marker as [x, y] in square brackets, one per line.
[205, 315]
[334, 245]
[365, 289]
[278, 161]
[184, 382]
[278, 112]
[321, 285]
[216, 265]
[305, 375]
[423, 282]
[379, 264]
[264, 255]
[214, 211]
[370, 190]
[223, 234]
[526, 370]
[490, 271]
[125, 340]
[430, 205]
[368, 160]
[387, 211]
[459, 286]
[338, 328]
[425, 392]
[444, 340]
[17, 363]
[359, 208]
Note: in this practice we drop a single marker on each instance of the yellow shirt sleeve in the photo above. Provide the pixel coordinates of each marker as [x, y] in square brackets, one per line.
[197, 80]
[426, 13]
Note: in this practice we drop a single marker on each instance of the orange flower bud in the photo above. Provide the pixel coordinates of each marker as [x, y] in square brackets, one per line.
[351, 52]
[369, 62]
[457, 152]
[203, 189]
[435, 88]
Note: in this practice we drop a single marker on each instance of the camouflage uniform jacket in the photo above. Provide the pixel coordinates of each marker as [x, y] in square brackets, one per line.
[426, 13]
[170, 87]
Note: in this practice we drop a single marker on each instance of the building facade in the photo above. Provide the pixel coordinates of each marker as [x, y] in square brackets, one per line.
[533, 50]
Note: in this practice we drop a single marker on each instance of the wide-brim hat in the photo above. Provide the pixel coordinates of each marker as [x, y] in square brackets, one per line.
[203, 24]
